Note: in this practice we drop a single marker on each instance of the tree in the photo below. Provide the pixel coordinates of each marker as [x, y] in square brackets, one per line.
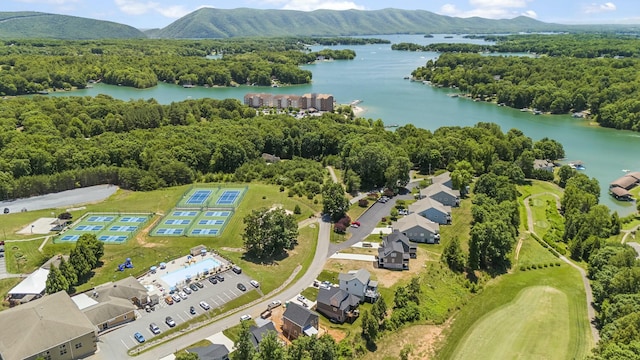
[94, 245]
[414, 290]
[334, 202]
[187, 356]
[369, 327]
[82, 258]
[453, 256]
[297, 210]
[270, 347]
[400, 298]
[379, 310]
[461, 177]
[68, 272]
[244, 347]
[56, 281]
[269, 232]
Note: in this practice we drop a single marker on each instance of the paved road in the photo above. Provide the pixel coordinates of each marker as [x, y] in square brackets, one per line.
[62, 199]
[107, 351]
[591, 313]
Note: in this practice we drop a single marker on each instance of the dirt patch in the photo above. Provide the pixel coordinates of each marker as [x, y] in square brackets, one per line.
[230, 249]
[336, 334]
[141, 236]
[280, 206]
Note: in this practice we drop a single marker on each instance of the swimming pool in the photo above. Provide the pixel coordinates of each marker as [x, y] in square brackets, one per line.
[179, 276]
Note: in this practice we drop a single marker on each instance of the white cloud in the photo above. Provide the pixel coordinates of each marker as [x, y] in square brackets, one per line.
[490, 9]
[49, 2]
[310, 5]
[599, 8]
[136, 7]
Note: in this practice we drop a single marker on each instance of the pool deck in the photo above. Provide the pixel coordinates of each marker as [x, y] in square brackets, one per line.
[153, 280]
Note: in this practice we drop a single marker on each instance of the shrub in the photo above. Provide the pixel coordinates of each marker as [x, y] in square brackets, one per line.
[523, 268]
[297, 210]
[339, 228]
[363, 202]
[281, 188]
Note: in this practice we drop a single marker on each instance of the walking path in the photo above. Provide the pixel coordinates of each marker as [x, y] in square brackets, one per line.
[591, 313]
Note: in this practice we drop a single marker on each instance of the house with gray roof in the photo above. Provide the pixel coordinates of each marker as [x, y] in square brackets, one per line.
[257, 333]
[51, 327]
[418, 229]
[211, 352]
[359, 283]
[298, 320]
[432, 210]
[441, 193]
[338, 305]
[544, 165]
[395, 251]
[443, 179]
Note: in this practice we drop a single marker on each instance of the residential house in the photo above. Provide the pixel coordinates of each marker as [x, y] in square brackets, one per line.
[269, 158]
[50, 328]
[298, 320]
[211, 352]
[359, 283]
[257, 333]
[443, 179]
[418, 228]
[431, 210]
[395, 251]
[338, 305]
[442, 194]
[31, 288]
[544, 165]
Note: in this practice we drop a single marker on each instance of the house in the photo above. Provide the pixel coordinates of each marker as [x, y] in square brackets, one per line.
[443, 179]
[31, 288]
[544, 165]
[211, 352]
[113, 304]
[395, 251]
[431, 210]
[627, 182]
[269, 158]
[338, 305]
[442, 194]
[257, 333]
[51, 327]
[418, 229]
[298, 320]
[359, 283]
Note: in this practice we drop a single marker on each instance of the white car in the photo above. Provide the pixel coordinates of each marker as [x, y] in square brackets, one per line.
[254, 283]
[274, 304]
[183, 295]
[245, 317]
[204, 305]
[176, 297]
[301, 298]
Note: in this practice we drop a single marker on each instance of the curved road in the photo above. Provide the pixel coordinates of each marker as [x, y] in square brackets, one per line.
[591, 313]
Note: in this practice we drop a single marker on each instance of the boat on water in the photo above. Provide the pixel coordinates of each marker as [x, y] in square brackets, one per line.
[626, 170]
[578, 165]
[453, 95]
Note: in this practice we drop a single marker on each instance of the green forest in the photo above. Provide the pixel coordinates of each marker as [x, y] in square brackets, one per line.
[606, 87]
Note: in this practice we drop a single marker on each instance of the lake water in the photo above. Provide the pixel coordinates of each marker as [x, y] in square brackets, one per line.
[376, 77]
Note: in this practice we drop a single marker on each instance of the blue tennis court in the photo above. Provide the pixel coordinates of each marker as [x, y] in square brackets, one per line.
[210, 222]
[70, 238]
[185, 213]
[89, 228]
[177, 222]
[112, 238]
[133, 219]
[217, 213]
[100, 218]
[123, 228]
[169, 231]
[228, 197]
[199, 197]
[204, 232]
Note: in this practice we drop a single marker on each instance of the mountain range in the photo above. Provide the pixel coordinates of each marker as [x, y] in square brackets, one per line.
[245, 22]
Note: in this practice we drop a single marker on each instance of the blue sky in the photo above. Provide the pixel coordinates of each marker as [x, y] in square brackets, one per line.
[159, 13]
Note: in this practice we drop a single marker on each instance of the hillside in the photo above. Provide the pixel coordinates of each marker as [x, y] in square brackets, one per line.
[17, 25]
[243, 22]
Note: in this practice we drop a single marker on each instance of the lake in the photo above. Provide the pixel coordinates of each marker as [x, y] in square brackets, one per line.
[376, 77]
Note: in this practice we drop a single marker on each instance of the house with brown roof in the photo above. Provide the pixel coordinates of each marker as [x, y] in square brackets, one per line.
[51, 327]
[418, 228]
[626, 182]
[298, 320]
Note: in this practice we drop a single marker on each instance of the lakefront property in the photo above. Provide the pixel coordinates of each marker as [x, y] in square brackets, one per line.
[316, 102]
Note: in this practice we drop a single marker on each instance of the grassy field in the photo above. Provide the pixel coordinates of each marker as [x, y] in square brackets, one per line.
[5, 286]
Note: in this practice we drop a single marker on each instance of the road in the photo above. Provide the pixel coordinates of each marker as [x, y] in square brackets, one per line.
[109, 349]
[61, 199]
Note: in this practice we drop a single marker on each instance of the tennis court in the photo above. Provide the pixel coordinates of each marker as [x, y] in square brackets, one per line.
[228, 197]
[109, 228]
[197, 197]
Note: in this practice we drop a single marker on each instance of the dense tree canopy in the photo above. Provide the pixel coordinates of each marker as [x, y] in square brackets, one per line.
[269, 232]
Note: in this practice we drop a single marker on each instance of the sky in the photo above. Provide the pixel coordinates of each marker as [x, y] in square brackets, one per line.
[146, 14]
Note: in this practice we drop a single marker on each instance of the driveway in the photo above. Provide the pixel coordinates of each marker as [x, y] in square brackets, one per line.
[358, 257]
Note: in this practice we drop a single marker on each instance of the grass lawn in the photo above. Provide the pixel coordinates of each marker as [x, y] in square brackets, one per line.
[310, 293]
[23, 257]
[5, 286]
[532, 253]
[201, 343]
[355, 210]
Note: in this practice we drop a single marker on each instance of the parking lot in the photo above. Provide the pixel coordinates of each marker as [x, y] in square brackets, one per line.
[214, 294]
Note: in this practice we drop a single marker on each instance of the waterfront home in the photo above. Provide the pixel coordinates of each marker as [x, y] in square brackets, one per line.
[626, 182]
[359, 284]
[431, 210]
[544, 165]
[620, 194]
[441, 193]
[418, 228]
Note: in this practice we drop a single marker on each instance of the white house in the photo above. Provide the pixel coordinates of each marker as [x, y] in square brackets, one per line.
[359, 284]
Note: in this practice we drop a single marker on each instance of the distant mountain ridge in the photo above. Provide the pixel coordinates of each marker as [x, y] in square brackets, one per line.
[244, 22]
[37, 25]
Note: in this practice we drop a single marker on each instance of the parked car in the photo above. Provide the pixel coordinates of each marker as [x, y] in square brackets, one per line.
[192, 310]
[237, 269]
[355, 224]
[169, 321]
[274, 304]
[301, 298]
[175, 297]
[220, 277]
[139, 337]
[183, 295]
[193, 287]
[6, 210]
[204, 305]
[169, 300]
[187, 290]
[213, 280]
[199, 284]
[245, 317]
[254, 283]
[241, 287]
[154, 328]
